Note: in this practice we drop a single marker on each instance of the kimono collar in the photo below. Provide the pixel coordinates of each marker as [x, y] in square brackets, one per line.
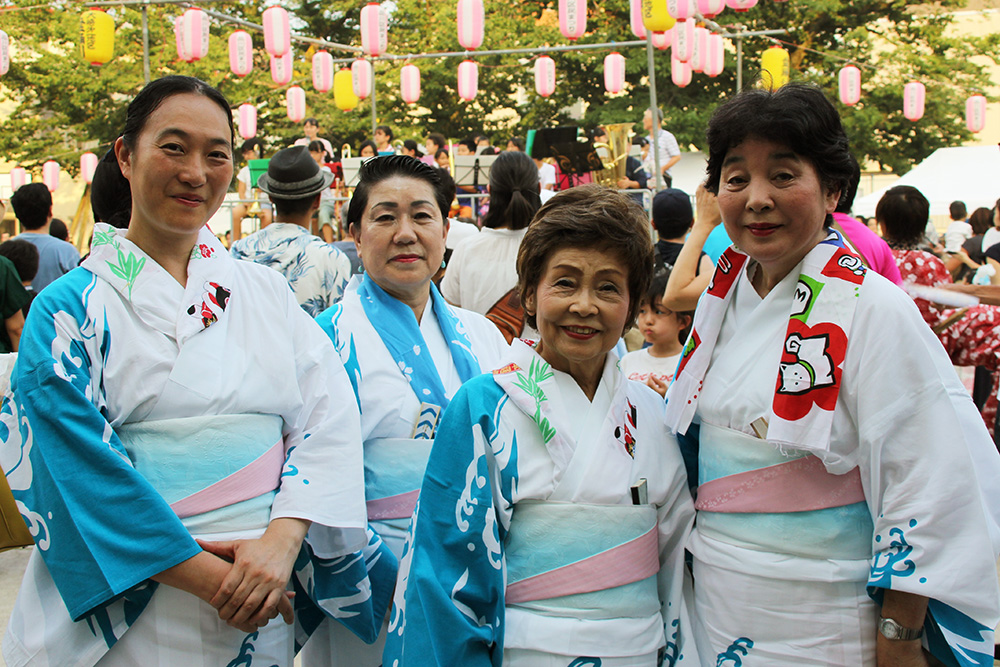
[155, 296]
[809, 374]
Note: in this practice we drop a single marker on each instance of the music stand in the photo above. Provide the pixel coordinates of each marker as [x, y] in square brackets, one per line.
[257, 169]
[573, 157]
[352, 167]
[473, 169]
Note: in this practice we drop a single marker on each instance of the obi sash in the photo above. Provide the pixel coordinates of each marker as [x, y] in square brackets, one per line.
[590, 562]
[394, 470]
[219, 473]
[753, 496]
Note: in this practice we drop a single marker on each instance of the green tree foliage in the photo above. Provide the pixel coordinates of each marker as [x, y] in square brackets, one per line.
[62, 106]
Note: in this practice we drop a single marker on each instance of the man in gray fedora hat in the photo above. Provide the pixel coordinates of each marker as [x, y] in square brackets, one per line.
[316, 271]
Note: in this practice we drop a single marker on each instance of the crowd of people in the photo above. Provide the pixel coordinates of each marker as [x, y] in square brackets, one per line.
[440, 441]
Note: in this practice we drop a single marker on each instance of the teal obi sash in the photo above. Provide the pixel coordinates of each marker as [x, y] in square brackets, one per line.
[841, 532]
[219, 473]
[394, 470]
[591, 562]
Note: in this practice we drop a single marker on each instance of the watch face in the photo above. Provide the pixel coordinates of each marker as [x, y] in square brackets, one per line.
[888, 628]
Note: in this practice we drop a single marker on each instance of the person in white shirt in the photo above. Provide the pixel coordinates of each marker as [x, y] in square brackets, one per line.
[310, 126]
[666, 146]
[992, 235]
[959, 229]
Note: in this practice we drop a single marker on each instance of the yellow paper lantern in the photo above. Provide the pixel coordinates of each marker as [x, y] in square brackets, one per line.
[775, 68]
[655, 16]
[97, 37]
[343, 90]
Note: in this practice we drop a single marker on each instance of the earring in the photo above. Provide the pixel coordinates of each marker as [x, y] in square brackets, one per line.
[443, 264]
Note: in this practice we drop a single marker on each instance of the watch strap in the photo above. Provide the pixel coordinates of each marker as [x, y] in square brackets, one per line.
[890, 629]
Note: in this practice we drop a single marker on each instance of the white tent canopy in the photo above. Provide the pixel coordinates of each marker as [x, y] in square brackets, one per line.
[966, 173]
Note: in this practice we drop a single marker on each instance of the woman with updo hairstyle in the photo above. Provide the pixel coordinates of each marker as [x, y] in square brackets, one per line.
[177, 423]
[830, 512]
[482, 271]
[554, 511]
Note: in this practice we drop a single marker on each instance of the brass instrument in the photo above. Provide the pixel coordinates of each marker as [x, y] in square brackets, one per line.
[613, 154]
[345, 151]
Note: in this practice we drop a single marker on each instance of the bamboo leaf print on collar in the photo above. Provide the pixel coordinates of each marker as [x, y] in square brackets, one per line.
[102, 238]
[128, 267]
[538, 372]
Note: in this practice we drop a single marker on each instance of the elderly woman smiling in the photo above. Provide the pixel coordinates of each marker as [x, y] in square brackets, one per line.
[554, 509]
[840, 459]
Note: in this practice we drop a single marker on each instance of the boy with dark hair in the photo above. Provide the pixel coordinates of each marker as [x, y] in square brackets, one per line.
[672, 218]
[33, 207]
[24, 256]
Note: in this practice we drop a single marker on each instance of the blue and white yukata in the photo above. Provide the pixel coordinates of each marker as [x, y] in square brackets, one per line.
[136, 402]
[404, 374]
[527, 480]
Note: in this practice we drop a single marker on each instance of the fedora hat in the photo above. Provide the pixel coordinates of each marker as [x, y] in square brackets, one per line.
[293, 174]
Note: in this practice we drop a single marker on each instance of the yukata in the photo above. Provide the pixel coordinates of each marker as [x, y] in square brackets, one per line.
[550, 529]
[404, 374]
[971, 340]
[839, 457]
[144, 414]
[316, 271]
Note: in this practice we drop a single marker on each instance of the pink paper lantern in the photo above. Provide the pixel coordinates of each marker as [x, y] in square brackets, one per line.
[849, 84]
[680, 72]
[281, 69]
[715, 57]
[663, 40]
[374, 29]
[711, 8]
[322, 71]
[4, 53]
[545, 76]
[975, 113]
[240, 53]
[683, 42]
[913, 100]
[468, 80]
[699, 50]
[361, 78]
[681, 9]
[635, 18]
[409, 83]
[195, 34]
[50, 175]
[295, 104]
[614, 72]
[88, 163]
[248, 121]
[18, 177]
[471, 23]
[277, 34]
[181, 43]
[572, 18]
[741, 5]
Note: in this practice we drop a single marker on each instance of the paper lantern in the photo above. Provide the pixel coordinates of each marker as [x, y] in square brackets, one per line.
[700, 49]
[711, 8]
[248, 121]
[281, 69]
[179, 39]
[4, 53]
[361, 78]
[683, 40]
[715, 56]
[849, 80]
[572, 18]
[295, 104]
[635, 18]
[614, 72]
[471, 23]
[468, 80]
[343, 90]
[663, 40]
[409, 83]
[681, 10]
[240, 53]
[50, 175]
[18, 177]
[680, 72]
[656, 17]
[322, 71]
[195, 33]
[97, 38]
[975, 113]
[775, 68]
[88, 163]
[741, 5]
[374, 29]
[277, 34]
[913, 100]
[545, 76]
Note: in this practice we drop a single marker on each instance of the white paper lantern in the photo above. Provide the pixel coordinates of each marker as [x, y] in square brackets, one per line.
[240, 53]
[975, 113]
[572, 18]
[295, 104]
[88, 164]
[545, 76]
[614, 72]
[635, 18]
[374, 29]
[681, 9]
[849, 85]
[468, 80]
[248, 121]
[277, 34]
[50, 175]
[663, 40]
[715, 57]
[471, 23]
[913, 100]
[18, 177]
[711, 8]
[361, 78]
[683, 42]
[700, 49]
[741, 5]
[409, 83]
[195, 33]
[322, 71]
[179, 41]
[4, 53]
[281, 68]
[680, 72]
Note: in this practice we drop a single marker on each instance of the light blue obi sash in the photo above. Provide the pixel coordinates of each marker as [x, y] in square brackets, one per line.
[394, 469]
[218, 473]
[591, 562]
[842, 532]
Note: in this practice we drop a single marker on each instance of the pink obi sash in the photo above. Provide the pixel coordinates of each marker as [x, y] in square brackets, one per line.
[399, 506]
[260, 476]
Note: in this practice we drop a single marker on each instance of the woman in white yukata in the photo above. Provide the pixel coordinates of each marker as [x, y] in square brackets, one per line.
[177, 423]
[552, 519]
[407, 352]
[847, 497]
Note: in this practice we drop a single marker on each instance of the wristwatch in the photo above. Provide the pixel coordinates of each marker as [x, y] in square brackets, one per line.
[890, 629]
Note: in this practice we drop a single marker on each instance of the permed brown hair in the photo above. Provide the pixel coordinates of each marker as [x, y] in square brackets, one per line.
[588, 216]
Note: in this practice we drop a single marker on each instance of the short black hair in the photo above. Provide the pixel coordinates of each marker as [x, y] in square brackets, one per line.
[254, 144]
[57, 228]
[311, 121]
[470, 144]
[846, 202]
[385, 130]
[981, 220]
[380, 168]
[367, 142]
[438, 140]
[654, 297]
[902, 213]
[957, 210]
[517, 141]
[32, 205]
[292, 206]
[155, 92]
[23, 255]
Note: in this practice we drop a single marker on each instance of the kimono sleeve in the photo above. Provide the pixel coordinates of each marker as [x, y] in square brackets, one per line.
[98, 524]
[452, 570]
